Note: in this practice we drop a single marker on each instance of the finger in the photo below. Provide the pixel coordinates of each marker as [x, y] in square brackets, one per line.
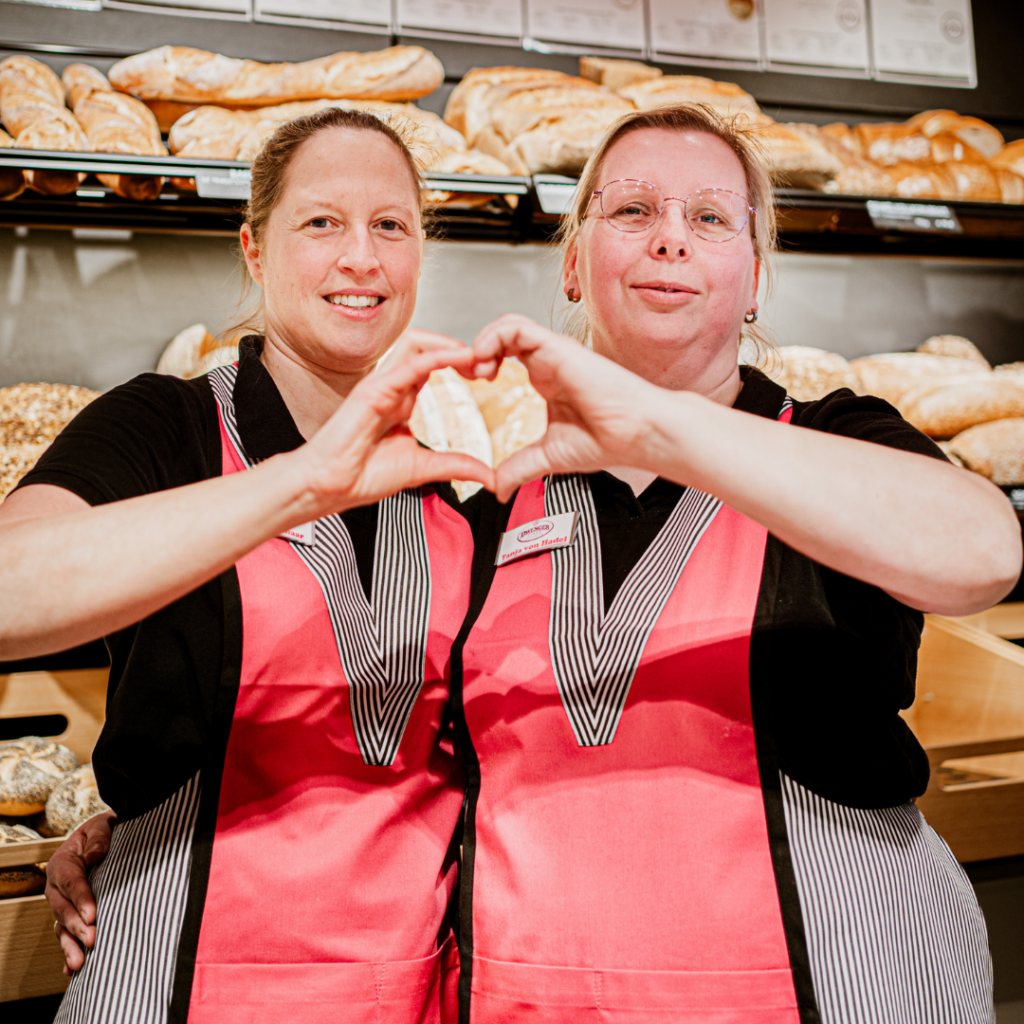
[69, 883]
[510, 335]
[529, 463]
[69, 918]
[432, 466]
[74, 956]
[424, 340]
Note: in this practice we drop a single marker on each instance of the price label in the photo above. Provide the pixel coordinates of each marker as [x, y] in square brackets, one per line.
[362, 12]
[229, 183]
[476, 17]
[818, 33]
[706, 28]
[610, 24]
[923, 38]
[929, 217]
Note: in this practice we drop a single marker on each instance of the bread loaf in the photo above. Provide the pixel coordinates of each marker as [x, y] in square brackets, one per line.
[461, 108]
[1010, 157]
[1011, 186]
[917, 181]
[797, 157]
[972, 131]
[115, 123]
[808, 373]
[945, 408]
[73, 800]
[616, 74]
[994, 449]
[33, 112]
[956, 346]
[515, 414]
[10, 835]
[892, 374]
[12, 179]
[725, 98]
[184, 74]
[184, 350]
[30, 769]
[29, 880]
[222, 355]
[891, 144]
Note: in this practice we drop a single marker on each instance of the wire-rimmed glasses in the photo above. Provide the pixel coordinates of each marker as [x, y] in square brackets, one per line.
[633, 206]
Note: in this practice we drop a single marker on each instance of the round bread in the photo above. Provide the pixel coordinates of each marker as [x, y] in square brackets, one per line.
[75, 799]
[183, 351]
[514, 412]
[30, 769]
[955, 346]
[23, 881]
[946, 408]
[892, 374]
[808, 373]
[994, 449]
[11, 834]
[447, 419]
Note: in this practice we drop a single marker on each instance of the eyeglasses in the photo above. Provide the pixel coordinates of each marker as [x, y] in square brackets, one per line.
[714, 214]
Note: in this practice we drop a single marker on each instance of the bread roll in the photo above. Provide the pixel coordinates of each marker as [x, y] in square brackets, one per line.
[945, 408]
[32, 109]
[616, 74]
[725, 98]
[184, 74]
[1011, 186]
[892, 374]
[12, 179]
[917, 181]
[1010, 157]
[808, 373]
[1013, 369]
[10, 835]
[460, 108]
[797, 157]
[515, 414]
[30, 769]
[972, 131]
[994, 449]
[24, 881]
[185, 350]
[956, 346]
[446, 418]
[73, 800]
[222, 355]
[890, 144]
[559, 146]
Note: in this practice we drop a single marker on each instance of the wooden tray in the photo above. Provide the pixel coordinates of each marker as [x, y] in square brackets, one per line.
[969, 716]
[31, 963]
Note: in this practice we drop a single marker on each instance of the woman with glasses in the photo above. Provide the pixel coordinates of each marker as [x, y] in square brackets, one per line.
[690, 636]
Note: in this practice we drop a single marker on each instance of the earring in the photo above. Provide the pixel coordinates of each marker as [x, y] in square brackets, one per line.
[750, 317]
[572, 296]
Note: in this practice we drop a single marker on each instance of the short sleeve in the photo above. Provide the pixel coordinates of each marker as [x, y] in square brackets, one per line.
[147, 435]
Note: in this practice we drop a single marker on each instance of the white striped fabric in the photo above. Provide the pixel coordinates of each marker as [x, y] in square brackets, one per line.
[141, 890]
[894, 931]
[382, 644]
[595, 655]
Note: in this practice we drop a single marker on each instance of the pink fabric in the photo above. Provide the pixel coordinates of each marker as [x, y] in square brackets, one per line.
[329, 875]
[632, 880]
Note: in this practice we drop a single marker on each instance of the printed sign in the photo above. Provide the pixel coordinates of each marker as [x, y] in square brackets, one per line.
[540, 535]
[931, 217]
[818, 33]
[362, 12]
[931, 38]
[229, 183]
[476, 17]
[610, 24]
[722, 29]
[304, 534]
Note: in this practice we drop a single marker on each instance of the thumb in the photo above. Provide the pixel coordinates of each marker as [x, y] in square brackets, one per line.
[529, 463]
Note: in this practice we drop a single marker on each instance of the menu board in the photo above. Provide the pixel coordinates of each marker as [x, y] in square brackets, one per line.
[362, 12]
[476, 17]
[722, 29]
[819, 33]
[610, 24]
[923, 37]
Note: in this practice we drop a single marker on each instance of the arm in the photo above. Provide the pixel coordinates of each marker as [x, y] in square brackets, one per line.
[933, 536]
[70, 573]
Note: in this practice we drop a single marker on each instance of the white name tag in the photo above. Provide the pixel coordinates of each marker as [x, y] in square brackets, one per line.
[541, 535]
[300, 534]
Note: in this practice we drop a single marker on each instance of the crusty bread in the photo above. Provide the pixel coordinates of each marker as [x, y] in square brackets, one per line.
[956, 346]
[187, 75]
[994, 449]
[797, 157]
[477, 81]
[972, 131]
[184, 350]
[10, 835]
[560, 146]
[12, 179]
[616, 74]
[945, 408]
[890, 144]
[514, 412]
[446, 418]
[892, 374]
[28, 880]
[222, 355]
[1010, 157]
[1011, 186]
[30, 769]
[920, 181]
[808, 373]
[1012, 369]
[73, 800]
[726, 98]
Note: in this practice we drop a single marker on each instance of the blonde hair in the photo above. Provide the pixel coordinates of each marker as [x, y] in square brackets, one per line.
[740, 137]
[269, 174]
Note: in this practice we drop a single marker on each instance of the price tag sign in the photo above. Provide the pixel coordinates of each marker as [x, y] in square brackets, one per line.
[554, 193]
[706, 29]
[477, 17]
[609, 24]
[229, 183]
[362, 12]
[929, 39]
[817, 33]
[929, 217]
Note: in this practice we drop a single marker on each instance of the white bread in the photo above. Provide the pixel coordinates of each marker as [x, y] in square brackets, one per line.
[797, 156]
[30, 769]
[946, 408]
[73, 800]
[1010, 157]
[972, 131]
[889, 144]
[1010, 369]
[1011, 185]
[956, 346]
[446, 418]
[725, 98]
[463, 98]
[994, 449]
[12, 179]
[185, 74]
[559, 146]
[921, 181]
[514, 412]
[892, 374]
[808, 373]
[33, 112]
[616, 74]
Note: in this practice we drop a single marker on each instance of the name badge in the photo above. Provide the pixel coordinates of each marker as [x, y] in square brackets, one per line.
[541, 535]
[302, 534]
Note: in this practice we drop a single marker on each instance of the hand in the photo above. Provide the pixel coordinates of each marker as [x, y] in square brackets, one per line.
[365, 451]
[68, 891]
[415, 341]
[598, 413]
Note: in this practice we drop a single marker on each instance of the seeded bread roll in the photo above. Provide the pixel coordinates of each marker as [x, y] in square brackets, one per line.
[74, 799]
[808, 373]
[892, 374]
[24, 881]
[10, 835]
[514, 412]
[946, 408]
[30, 769]
[953, 345]
[994, 449]
[184, 74]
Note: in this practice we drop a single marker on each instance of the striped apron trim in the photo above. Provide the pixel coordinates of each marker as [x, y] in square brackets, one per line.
[141, 889]
[382, 643]
[894, 931]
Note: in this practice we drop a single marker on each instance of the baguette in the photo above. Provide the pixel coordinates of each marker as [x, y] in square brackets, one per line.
[183, 74]
[994, 449]
[946, 408]
[115, 123]
[32, 109]
[12, 179]
[892, 374]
